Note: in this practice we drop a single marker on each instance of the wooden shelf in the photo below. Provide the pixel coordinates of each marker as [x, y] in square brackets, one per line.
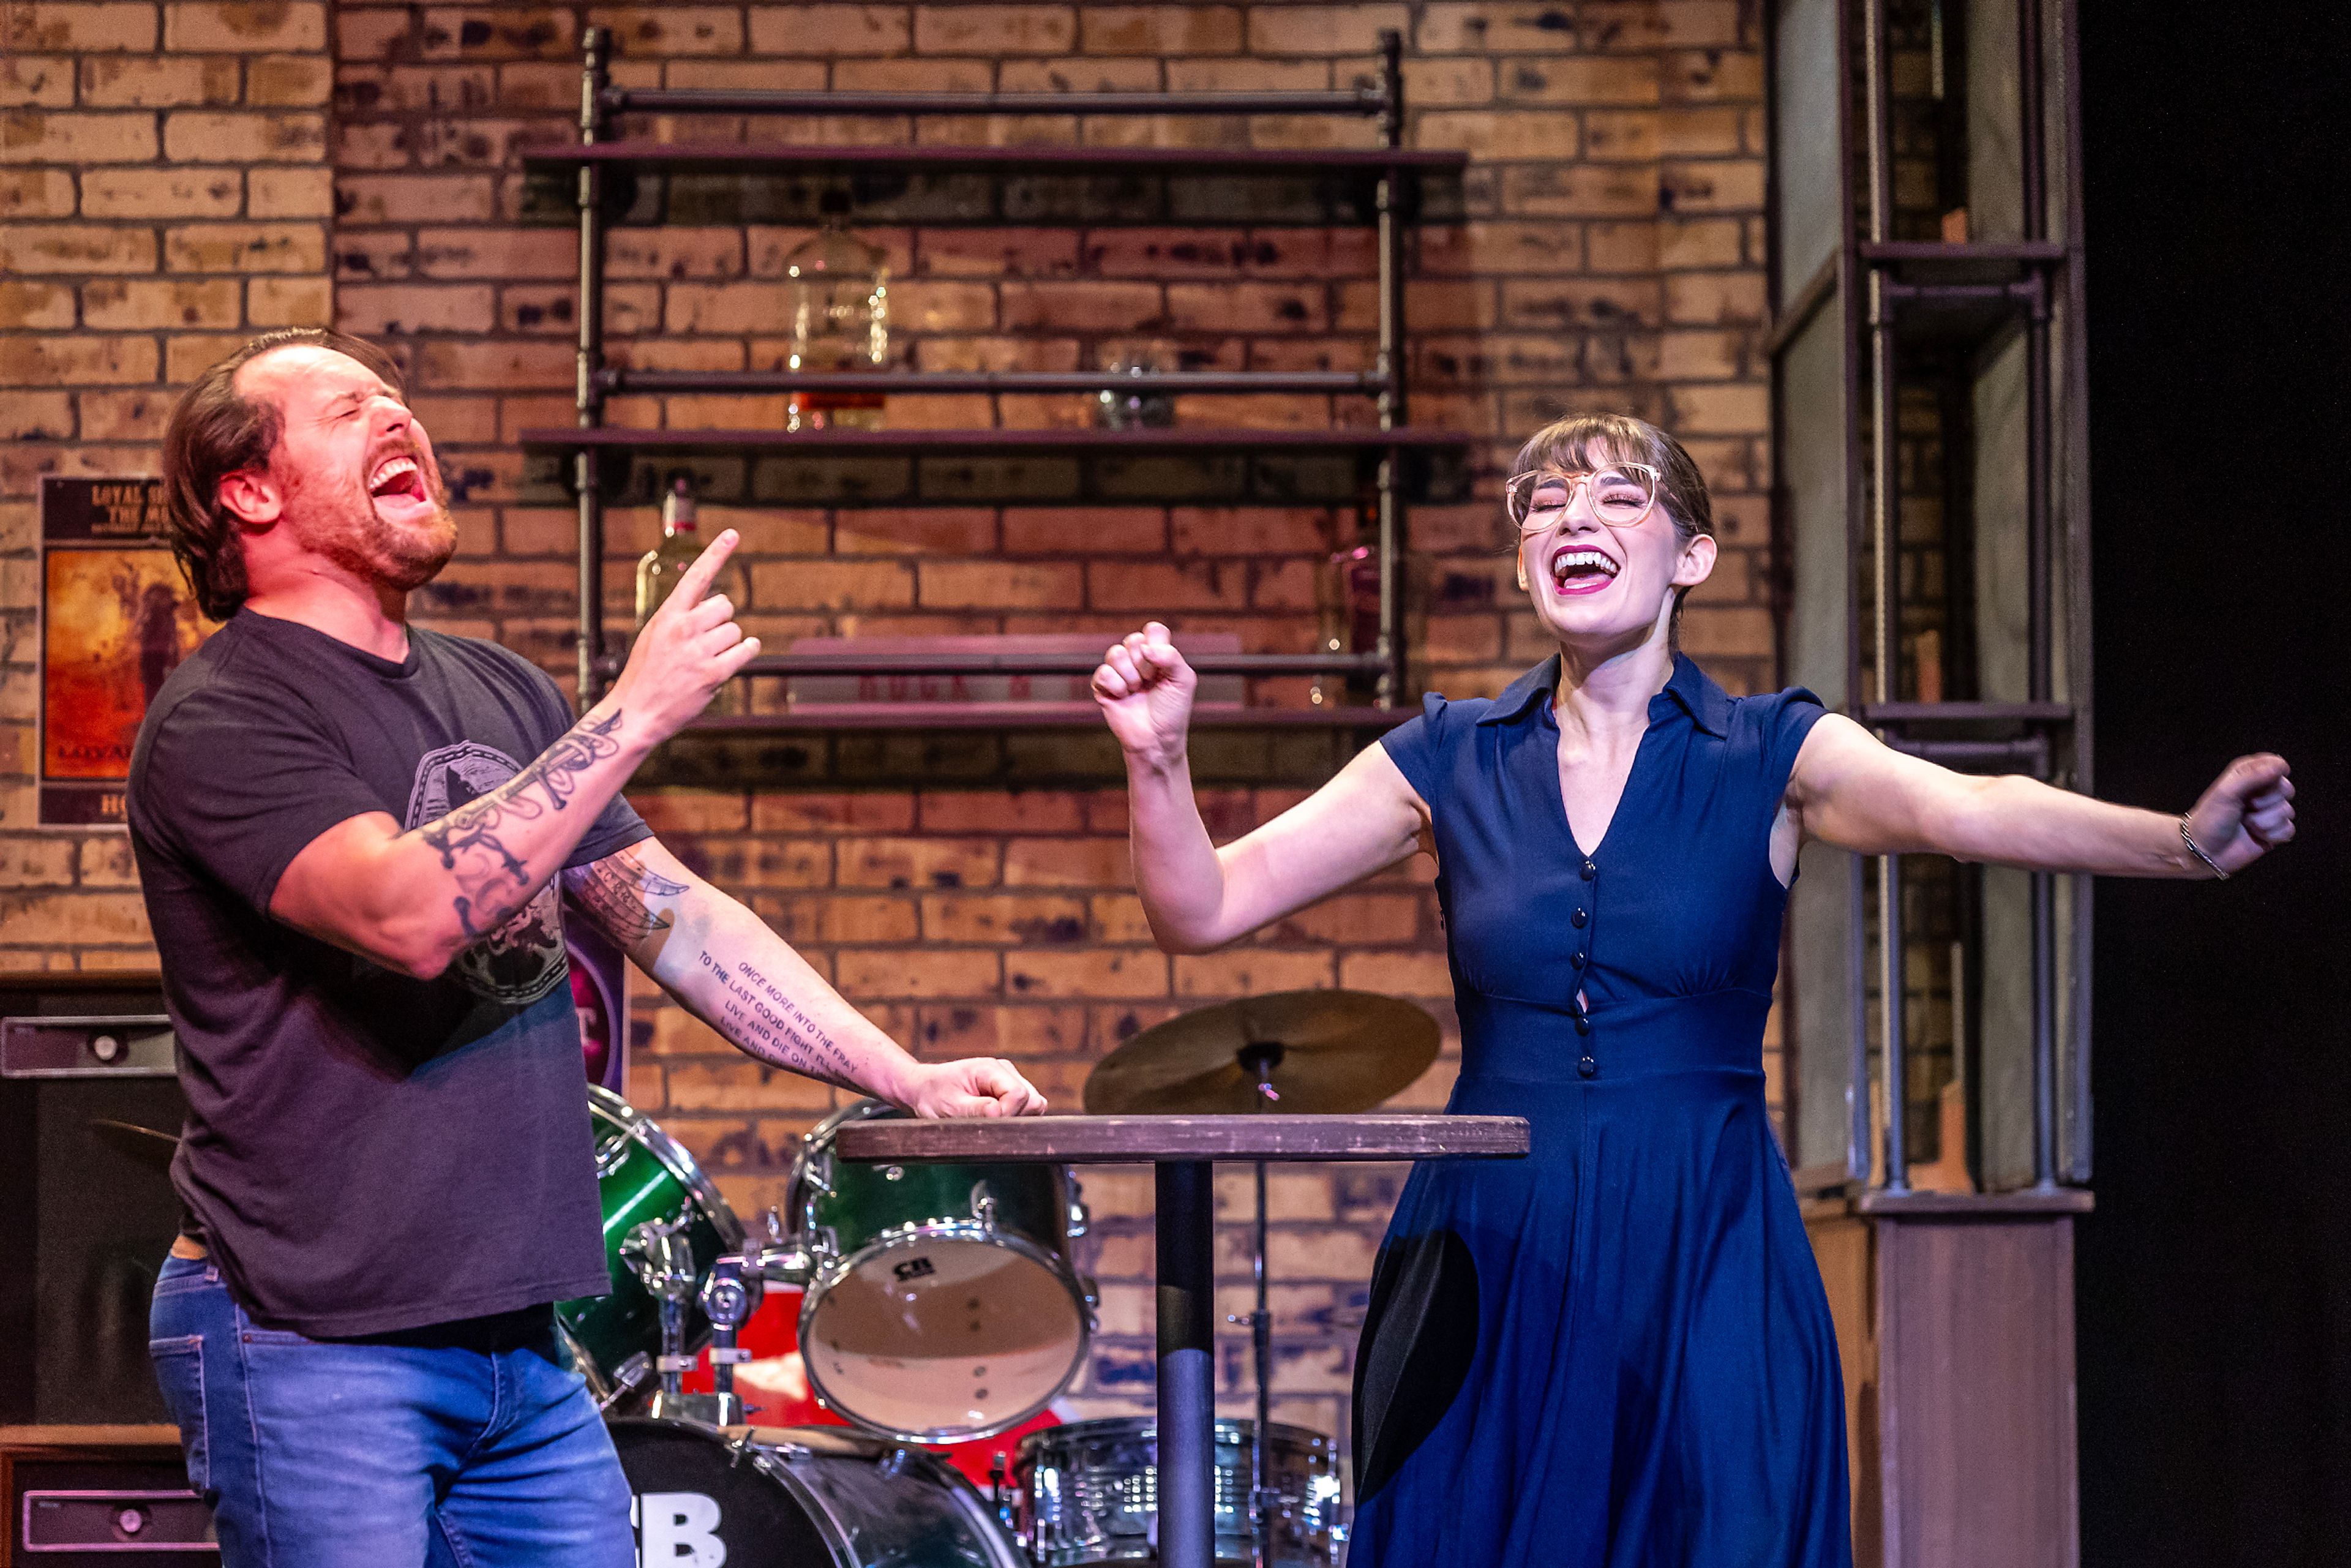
[638, 153]
[1082, 439]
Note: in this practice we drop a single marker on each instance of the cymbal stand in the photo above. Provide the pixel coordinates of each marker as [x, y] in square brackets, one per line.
[1259, 1061]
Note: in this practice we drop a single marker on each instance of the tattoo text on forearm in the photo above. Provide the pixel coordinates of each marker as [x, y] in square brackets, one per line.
[763, 1020]
[494, 883]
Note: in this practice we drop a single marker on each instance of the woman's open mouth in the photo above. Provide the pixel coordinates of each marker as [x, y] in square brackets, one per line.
[399, 490]
[1580, 571]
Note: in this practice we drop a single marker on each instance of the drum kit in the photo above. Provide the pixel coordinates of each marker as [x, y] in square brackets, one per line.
[941, 1303]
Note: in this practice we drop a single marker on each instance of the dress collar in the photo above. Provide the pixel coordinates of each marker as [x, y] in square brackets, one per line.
[1706, 704]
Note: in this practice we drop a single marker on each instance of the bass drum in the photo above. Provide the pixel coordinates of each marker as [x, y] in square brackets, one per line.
[800, 1496]
[942, 1306]
[642, 1174]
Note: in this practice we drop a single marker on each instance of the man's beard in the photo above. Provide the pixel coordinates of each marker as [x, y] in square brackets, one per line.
[339, 521]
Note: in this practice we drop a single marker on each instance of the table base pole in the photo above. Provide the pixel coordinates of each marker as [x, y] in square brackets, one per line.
[1187, 1413]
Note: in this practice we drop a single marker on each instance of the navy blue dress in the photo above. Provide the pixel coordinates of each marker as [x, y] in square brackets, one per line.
[1616, 1352]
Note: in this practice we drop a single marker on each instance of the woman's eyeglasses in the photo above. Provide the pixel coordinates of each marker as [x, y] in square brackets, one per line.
[1622, 494]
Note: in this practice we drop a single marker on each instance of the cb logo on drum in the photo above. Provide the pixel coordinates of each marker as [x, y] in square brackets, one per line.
[912, 1268]
[677, 1530]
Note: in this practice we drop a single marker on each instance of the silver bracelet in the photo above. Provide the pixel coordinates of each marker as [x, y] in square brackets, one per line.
[2186, 839]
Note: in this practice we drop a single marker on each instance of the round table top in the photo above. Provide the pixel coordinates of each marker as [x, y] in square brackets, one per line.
[1142, 1139]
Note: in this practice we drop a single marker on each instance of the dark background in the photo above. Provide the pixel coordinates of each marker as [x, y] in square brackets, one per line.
[2215, 1277]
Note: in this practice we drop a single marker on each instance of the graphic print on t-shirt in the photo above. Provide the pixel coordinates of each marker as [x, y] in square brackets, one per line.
[522, 960]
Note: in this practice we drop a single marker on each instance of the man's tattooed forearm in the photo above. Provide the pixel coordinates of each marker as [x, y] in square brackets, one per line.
[619, 891]
[757, 1015]
[494, 883]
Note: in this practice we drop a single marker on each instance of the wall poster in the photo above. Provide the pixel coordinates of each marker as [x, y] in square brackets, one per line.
[117, 619]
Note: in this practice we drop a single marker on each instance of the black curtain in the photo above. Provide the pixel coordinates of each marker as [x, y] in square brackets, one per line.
[2215, 1277]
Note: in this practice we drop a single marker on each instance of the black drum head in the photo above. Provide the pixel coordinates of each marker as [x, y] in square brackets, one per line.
[695, 1493]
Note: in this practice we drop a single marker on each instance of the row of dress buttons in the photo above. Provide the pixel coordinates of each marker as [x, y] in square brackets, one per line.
[1585, 1067]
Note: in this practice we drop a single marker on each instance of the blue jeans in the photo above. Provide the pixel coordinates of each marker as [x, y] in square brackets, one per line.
[317, 1454]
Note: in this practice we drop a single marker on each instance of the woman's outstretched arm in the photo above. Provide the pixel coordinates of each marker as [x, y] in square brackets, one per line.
[1199, 896]
[1850, 790]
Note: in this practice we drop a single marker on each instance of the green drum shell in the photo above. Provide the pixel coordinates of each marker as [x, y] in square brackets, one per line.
[643, 1174]
[844, 1208]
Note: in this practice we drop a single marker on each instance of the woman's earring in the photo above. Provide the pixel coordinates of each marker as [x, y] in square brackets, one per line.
[1522, 574]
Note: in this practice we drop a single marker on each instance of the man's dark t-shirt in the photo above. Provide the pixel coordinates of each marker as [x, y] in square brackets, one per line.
[364, 1152]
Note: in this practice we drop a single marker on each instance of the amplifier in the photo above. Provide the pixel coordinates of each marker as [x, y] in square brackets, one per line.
[87, 1209]
[90, 1495]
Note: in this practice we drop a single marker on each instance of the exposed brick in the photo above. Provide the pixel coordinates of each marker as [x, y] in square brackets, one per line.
[414, 198]
[75, 247]
[1120, 972]
[369, 310]
[868, 972]
[185, 359]
[973, 584]
[913, 862]
[36, 307]
[122, 304]
[1323, 29]
[67, 29]
[1160, 30]
[36, 82]
[130, 81]
[27, 415]
[36, 194]
[832, 29]
[246, 247]
[289, 81]
[162, 193]
[245, 26]
[57, 136]
[289, 302]
[995, 30]
[656, 31]
[289, 193]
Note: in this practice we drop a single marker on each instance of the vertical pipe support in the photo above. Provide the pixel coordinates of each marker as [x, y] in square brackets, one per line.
[1185, 1191]
[1886, 564]
[1389, 199]
[596, 54]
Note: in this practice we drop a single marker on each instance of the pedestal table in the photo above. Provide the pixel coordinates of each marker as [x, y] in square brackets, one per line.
[1184, 1150]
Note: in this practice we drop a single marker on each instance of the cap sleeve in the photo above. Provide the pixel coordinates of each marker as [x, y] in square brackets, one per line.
[1416, 746]
[1789, 717]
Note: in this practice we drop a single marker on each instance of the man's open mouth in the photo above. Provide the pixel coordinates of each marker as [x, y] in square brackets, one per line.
[1582, 571]
[398, 484]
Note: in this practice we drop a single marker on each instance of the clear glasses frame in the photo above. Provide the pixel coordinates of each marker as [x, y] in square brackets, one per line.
[1640, 480]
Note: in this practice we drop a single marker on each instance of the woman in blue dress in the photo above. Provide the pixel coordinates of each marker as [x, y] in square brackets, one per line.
[1616, 1353]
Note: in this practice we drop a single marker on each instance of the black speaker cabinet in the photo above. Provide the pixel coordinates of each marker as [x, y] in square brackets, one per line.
[86, 1215]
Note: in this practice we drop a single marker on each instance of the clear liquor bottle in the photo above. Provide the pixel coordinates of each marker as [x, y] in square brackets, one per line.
[658, 568]
[840, 322]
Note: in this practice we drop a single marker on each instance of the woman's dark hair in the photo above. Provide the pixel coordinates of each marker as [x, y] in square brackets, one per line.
[1584, 442]
[214, 432]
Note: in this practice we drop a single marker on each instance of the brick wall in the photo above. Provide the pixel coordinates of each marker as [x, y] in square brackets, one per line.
[1607, 253]
[164, 191]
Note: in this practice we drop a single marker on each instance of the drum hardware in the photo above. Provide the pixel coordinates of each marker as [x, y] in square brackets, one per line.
[940, 1301]
[646, 1180]
[1089, 1494]
[806, 1496]
[1322, 1052]
[728, 1299]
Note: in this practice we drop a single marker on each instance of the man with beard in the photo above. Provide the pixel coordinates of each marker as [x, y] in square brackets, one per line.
[354, 837]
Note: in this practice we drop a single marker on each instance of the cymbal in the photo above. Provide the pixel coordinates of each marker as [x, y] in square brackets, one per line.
[1323, 1052]
[145, 1145]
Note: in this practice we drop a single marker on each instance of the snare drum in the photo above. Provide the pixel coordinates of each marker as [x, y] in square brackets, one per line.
[800, 1496]
[1090, 1494]
[941, 1303]
[642, 1174]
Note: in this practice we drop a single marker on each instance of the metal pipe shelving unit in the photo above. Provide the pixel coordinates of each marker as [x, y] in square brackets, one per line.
[1899, 298]
[1387, 439]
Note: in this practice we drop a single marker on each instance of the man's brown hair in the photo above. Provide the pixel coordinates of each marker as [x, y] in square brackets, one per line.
[214, 432]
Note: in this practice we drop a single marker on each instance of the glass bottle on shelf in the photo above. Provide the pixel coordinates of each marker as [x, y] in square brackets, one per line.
[840, 322]
[658, 568]
[1347, 603]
